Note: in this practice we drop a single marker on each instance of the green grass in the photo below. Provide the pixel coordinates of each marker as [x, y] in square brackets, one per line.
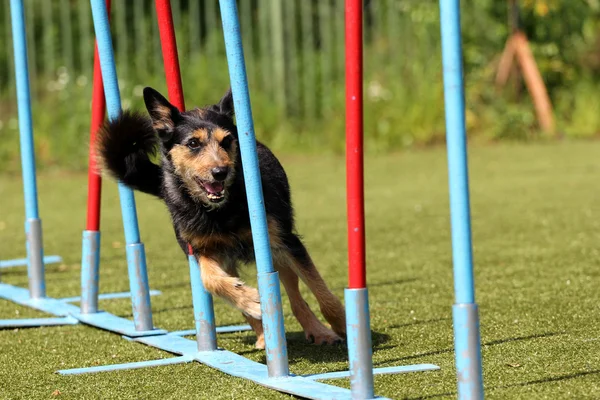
[536, 229]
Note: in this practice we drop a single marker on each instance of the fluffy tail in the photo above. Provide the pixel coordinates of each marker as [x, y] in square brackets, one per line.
[124, 147]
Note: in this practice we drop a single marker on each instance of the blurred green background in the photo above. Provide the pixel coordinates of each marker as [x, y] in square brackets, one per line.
[294, 52]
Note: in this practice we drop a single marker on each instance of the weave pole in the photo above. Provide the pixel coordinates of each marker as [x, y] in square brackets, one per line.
[268, 278]
[90, 249]
[33, 223]
[136, 256]
[465, 314]
[358, 329]
[168, 44]
[204, 316]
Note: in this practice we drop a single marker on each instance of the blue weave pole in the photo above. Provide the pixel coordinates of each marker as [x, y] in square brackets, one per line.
[136, 259]
[465, 315]
[33, 224]
[268, 278]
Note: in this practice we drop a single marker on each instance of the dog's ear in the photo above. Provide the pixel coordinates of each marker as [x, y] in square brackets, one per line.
[164, 115]
[226, 104]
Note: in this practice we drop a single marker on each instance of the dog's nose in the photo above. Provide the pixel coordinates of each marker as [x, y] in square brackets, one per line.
[220, 173]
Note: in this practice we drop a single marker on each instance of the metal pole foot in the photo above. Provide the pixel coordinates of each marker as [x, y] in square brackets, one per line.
[204, 314]
[138, 284]
[272, 320]
[90, 267]
[467, 347]
[35, 253]
[360, 352]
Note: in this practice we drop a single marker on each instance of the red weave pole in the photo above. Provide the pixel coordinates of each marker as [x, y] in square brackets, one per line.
[98, 111]
[168, 44]
[354, 146]
[169, 50]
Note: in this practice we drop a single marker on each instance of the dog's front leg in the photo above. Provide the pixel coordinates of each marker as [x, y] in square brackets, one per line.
[222, 283]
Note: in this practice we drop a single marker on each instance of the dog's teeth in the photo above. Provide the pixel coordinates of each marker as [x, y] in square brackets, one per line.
[214, 196]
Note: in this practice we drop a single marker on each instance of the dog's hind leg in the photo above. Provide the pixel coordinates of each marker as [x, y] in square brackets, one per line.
[303, 266]
[223, 282]
[314, 330]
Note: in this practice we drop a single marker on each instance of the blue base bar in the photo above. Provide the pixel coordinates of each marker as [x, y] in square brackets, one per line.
[134, 365]
[112, 323]
[61, 308]
[238, 366]
[51, 306]
[22, 262]
[219, 329]
[36, 322]
[109, 296]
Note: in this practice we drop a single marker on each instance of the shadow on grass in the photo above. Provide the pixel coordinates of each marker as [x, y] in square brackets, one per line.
[384, 283]
[514, 385]
[299, 349]
[420, 322]
[549, 379]
[490, 343]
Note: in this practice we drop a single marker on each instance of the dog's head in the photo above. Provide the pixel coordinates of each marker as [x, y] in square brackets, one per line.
[200, 145]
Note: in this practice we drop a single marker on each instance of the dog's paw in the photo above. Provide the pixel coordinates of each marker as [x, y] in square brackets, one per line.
[260, 342]
[323, 336]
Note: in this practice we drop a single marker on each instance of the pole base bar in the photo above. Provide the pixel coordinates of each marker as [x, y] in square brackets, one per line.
[61, 308]
[46, 304]
[219, 329]
[22, 262]
[112, 323]
[133, 365]
[36, 322]
[109, 296]
[238, 366]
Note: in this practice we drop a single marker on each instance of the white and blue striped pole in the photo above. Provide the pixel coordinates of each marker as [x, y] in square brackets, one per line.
[465, 315]
[268, 278]
[136, 256]
[33, 223]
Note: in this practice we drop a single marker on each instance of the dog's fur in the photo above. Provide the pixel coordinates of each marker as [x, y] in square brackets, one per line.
[200, 179]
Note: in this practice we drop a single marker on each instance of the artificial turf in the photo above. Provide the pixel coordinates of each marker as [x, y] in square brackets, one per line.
[536, 229]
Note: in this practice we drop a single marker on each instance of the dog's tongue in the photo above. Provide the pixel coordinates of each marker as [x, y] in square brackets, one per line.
[213, 187]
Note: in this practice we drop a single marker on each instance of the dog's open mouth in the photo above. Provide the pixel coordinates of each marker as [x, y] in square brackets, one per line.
[215, 191]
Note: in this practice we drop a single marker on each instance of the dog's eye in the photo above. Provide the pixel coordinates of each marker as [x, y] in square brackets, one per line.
[193, 144]
[226, 142]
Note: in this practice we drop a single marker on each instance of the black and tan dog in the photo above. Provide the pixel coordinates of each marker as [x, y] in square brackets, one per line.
[200, 179]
